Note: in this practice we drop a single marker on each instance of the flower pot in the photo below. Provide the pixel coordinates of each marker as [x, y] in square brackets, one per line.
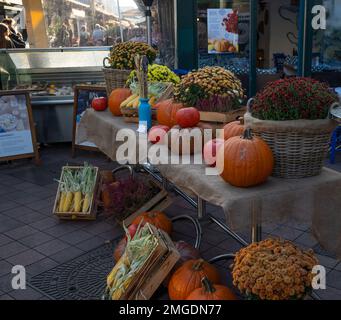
[299, 146]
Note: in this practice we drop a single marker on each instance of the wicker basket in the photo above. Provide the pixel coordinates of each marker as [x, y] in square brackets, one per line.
[114, 78]
[299, 146]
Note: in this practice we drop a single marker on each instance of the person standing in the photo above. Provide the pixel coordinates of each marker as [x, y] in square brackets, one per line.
[84, 37]
[15, 36]
[5, 41]
[98, 35]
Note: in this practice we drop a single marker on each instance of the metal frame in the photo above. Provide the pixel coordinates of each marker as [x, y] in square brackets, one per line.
[305, 42]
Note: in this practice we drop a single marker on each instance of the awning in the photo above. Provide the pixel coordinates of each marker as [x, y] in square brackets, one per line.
[79, 3]
[77, 13]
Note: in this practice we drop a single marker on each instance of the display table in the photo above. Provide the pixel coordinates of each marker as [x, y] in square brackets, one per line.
[315, 200]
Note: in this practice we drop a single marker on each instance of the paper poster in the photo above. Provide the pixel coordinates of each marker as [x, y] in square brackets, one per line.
[85, 98]
[15, 131]
[222, 27]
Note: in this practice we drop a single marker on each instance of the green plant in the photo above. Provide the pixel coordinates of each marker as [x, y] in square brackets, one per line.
[293, 99]
[156, 73]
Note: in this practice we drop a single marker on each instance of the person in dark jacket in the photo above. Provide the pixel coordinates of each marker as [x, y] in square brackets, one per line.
[5, 41]
[15, 37]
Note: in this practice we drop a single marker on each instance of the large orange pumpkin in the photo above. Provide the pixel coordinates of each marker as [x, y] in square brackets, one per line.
[117, 96]
[166, 112]
[234, 129]
[247, 160]
[211, 292]
[188, 278]
[157, 219]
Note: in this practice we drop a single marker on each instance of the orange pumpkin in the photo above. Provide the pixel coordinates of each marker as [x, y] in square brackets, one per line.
[156, 218]
[188, 278]
[211, 292]
[117, 96]
[234, 129]
[166, 112]
[247, 160]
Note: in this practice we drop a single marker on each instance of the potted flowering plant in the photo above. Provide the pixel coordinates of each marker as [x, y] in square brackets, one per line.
[120, 62]
[292, 116]
[274, 270]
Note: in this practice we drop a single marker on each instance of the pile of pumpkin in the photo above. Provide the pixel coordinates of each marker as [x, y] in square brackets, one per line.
[245, 160]
[192, 278]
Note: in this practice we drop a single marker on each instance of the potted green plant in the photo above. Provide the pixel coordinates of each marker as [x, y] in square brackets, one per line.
[292, 116]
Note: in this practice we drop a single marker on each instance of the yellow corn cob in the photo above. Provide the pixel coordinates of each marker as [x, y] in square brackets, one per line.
[62, 201]
[78, 201]
[131, 103]
[136, 103]
[126, 102]
[68, 202]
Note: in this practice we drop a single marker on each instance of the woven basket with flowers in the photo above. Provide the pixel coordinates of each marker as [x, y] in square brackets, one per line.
[292, 116]
[274, 270]
[118, 66]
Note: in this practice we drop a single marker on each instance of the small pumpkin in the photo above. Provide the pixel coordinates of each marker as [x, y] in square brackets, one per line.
[157, 219]
[210, 151]
[166, 112]
[211, 292]
[248, 161]
[188, 278]
[116, 97]
[234, 129]
[187, 252]
[186, 141]
[120, 248]
[188, 117]
[157, 134]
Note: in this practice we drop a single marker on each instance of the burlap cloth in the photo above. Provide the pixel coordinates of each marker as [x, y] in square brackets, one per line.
[315, 200]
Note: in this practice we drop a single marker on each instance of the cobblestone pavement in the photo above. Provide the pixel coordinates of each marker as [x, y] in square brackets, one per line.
[31, 236]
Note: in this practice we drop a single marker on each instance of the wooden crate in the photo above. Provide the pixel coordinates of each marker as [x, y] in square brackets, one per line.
[222, 117]
[159, 202]
[155, 270]
[92, 213]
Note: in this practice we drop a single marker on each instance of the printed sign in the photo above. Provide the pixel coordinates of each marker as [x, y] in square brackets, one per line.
[17, 136]
[222, 31]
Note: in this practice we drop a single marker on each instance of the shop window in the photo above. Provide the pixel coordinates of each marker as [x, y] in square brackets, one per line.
[277, 40]
[326, 61]
[223, 35]
[72, 23]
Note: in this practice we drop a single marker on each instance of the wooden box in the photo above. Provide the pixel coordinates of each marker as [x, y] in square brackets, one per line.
[154, 271]
[222, 117]
[92, 213]
[159, 202]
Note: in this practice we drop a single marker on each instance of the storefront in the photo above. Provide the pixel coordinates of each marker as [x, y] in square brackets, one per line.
[271, 34]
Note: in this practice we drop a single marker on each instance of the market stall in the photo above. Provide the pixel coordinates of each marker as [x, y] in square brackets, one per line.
[314, 200]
